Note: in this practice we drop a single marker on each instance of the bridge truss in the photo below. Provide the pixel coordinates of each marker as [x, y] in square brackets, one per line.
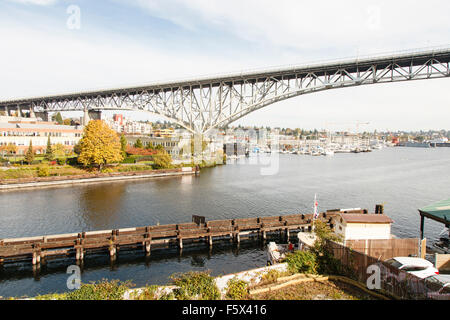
[203, 104]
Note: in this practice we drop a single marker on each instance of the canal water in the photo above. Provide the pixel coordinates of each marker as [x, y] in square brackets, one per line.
[403, 179]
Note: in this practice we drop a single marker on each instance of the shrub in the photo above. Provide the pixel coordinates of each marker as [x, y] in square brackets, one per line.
[129, 160]
[162, 160]
[72, 161]
[195, 285]
[302, 262]
[104, 290]
[272, 276]
[43, 171]
[107, 170]
[237, 289]
[61, 161]
[148, 293]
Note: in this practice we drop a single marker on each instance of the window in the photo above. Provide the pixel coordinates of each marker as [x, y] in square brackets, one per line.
[413, 268]
[394, 263]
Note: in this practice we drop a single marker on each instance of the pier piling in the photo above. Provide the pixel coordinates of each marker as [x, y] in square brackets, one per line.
[79, 244]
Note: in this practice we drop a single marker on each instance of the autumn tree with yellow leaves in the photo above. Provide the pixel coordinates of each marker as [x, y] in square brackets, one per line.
[99, 146]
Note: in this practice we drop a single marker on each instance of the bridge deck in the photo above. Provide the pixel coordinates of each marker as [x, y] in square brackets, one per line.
[35, 248]
[407, 59]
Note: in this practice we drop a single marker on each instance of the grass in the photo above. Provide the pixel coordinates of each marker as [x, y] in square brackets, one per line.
[31, 171]
[324, 290]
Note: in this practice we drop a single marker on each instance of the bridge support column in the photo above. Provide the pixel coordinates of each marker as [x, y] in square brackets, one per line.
[147, 248]
[32, 114]
[180, 243]
[43, 115]
[287, 233]
[86, 117]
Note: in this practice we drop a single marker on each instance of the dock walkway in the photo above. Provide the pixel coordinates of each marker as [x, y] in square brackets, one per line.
[80, 244]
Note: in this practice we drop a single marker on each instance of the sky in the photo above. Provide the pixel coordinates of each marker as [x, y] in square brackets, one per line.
[59, 46]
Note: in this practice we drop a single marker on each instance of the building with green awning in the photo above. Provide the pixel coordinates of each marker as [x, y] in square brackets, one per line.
[439, 211]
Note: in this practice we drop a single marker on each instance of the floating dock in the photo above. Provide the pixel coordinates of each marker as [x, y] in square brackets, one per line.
[77, 245]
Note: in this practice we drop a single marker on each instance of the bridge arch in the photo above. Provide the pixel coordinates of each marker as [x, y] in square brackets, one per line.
[200, 105]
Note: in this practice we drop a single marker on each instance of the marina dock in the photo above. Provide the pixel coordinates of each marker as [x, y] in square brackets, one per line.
[78, 245]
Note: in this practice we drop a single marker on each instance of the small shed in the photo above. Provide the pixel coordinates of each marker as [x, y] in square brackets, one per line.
[438, 211]
[363, 226]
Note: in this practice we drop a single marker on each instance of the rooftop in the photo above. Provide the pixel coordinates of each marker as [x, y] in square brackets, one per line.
[366, 218]
[439, 210]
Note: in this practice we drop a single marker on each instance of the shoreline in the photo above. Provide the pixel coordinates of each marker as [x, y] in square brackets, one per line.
[73, 180]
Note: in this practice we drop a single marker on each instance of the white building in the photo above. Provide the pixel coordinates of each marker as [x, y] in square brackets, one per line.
[121, 124]
[362, 226]
[20, 131]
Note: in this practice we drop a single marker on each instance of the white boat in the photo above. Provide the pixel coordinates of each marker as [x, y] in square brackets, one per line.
[276, 252]
[329, 153]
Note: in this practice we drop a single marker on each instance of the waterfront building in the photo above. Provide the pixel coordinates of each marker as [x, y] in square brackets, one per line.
[175, 146]
[121, 124]
[164, 133]
[20, 131]
[362, 226]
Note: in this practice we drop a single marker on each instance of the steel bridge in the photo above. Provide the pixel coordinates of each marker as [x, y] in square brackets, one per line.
[200, 105]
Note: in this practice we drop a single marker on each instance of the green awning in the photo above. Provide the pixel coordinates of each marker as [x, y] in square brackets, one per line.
[439, 211]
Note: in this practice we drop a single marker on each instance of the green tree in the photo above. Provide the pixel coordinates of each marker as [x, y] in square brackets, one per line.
[58, 118]
[150, 146]
[29, 156]
[138, 144]
[77, 148]
[49, 154]
[99, 146]
[123, 145]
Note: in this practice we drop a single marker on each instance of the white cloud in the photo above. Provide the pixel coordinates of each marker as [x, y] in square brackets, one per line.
[36, 2]
[41, 57]
[312, 25]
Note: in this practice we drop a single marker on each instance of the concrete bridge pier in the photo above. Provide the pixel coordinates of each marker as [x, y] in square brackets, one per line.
[43, 115]
[91, 115]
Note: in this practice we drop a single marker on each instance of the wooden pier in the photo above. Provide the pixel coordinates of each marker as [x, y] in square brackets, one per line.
[77, 245]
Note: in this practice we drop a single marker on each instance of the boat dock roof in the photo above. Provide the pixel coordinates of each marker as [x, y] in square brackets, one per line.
[438, 211]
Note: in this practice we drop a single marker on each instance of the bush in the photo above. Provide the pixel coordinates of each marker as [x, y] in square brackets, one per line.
[272, 276]
[43, 171]
[148, 293]
[237, 289]
[72, 161]
[195, 285]
[302, 262]
[104, 290]
[61, 161]
[162, 160]
[129, 160]
[107, 170]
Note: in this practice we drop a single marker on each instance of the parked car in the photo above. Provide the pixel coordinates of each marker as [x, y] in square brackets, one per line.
[419, 267]
[438, 287]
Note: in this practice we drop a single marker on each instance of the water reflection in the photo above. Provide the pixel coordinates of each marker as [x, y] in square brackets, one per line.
[403, 178]
[102, 206]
